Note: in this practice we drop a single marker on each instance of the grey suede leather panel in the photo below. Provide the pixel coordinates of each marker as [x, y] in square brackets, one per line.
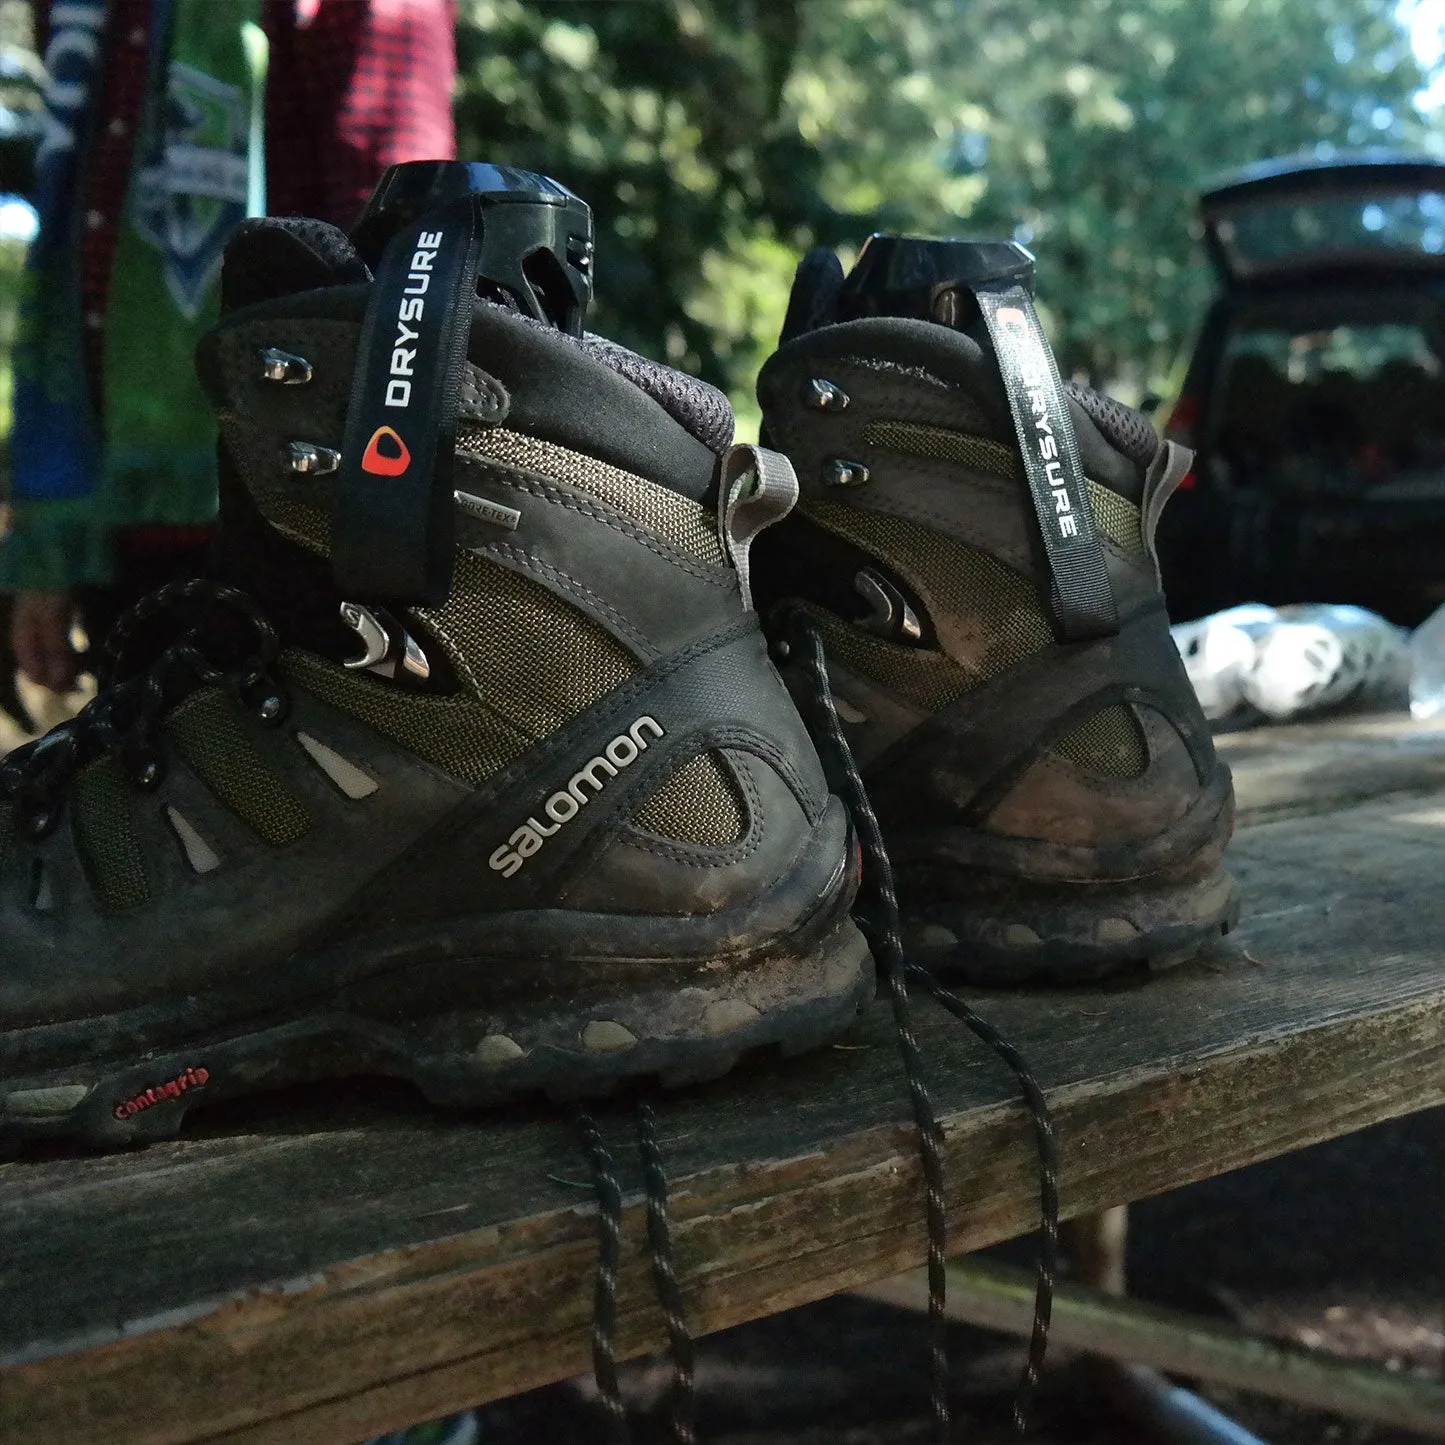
[1057, 801]
[956, 860]
[989, 512]
[562, 394]
[78, 960]
[652, 596]
[259, 419]
[887, 719]
[722, 693]
[952, 357]
[685, 879]
[556, 390]
[964, 760]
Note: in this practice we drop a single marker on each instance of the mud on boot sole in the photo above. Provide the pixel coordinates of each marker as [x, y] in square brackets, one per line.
[676, 1034]
[1071, 933]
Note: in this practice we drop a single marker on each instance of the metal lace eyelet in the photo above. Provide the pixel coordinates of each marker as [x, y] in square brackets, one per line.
[824, 395]
[147, 768]
[39, 823]
[309, 460]
[839, 472]
[265, 696]
[284, 367]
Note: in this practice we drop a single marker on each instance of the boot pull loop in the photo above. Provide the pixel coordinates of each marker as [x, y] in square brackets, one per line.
[1171, 464]
[757, 487]
[393, 529]
[1081, 594]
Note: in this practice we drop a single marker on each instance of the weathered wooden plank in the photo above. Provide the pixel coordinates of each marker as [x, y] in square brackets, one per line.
[320, 1267]
[1316, 767]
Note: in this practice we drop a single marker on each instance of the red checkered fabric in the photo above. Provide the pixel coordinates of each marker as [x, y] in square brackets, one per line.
[354, 87]
[120, 101]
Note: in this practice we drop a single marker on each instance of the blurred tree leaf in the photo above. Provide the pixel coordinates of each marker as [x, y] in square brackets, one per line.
[717, 139]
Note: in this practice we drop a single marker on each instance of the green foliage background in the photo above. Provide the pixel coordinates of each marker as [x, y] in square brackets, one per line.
[718, 139]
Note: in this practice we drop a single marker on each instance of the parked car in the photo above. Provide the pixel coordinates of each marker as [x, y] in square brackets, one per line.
[1315, 396]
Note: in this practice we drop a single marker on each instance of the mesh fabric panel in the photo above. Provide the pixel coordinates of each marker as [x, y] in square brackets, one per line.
[531, 662]
[1000, 616]
[1117, 519]
[915, 439]
[677, 519]
[1110, 742]
[925, 678]
[103, 810]
[460, 735]
[997, 607]
[697, 804]
[535, 660]
[208, 732]
[1129, 430]
[701, 408]
[303, 522]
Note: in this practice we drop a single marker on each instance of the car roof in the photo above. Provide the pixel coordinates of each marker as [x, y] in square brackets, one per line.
[1375, 211]
[1301, 175]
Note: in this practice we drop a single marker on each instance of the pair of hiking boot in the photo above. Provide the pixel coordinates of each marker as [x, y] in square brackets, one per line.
[565, 825]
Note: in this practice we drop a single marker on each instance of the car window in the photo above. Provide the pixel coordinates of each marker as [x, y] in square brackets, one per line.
[1305, 355]
[1264, 236]
[1330, 410]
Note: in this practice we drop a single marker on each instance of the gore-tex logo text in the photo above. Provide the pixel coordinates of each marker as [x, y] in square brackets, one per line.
[194, 1078]
[1034, 368]
[412, 308]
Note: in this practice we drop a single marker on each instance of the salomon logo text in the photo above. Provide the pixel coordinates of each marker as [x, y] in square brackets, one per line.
[582, 787]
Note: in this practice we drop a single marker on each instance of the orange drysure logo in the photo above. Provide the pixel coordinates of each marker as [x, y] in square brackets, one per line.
[386, 454]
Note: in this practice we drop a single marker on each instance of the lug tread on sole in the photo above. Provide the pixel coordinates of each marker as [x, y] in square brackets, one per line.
[1005, 962]
[358, 1046]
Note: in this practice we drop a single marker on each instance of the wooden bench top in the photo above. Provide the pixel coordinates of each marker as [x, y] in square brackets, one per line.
[323, 1265]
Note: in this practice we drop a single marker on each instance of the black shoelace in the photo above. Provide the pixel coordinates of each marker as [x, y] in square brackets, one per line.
[682, 1395]
[898, 973]
[124, 718]
[887, 937]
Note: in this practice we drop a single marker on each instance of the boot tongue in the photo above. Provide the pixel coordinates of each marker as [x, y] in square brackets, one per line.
[279, 256]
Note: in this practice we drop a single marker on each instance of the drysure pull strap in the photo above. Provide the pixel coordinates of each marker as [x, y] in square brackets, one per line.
[1083, 600]
[757, 487]
[393, 530]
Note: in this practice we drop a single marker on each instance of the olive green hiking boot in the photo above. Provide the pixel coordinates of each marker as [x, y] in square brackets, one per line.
[557, 828]
[1045, 781]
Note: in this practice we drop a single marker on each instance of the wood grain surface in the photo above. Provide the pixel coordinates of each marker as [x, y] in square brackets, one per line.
[1314, 767]
[315, 1267]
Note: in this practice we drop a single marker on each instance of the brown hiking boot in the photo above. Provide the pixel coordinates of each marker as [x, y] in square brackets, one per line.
[555, 828]
[1046, 783]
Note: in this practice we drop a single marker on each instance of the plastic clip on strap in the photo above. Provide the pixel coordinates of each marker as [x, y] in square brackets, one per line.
[757, 488]
[393, 529]
[1082, 598]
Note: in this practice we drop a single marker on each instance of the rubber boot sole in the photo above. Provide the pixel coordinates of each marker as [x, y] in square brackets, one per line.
[677, 1030]
[1075, 933]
